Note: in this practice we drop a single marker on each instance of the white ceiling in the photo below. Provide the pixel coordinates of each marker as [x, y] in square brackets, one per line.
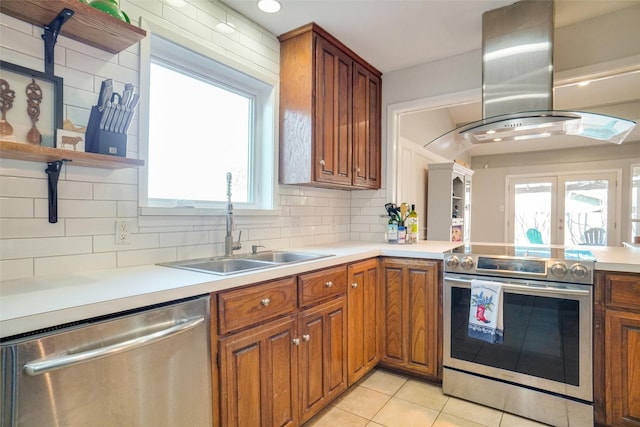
[396, 34]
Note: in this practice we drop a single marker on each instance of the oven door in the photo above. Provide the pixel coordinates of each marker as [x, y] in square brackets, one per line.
[547, 335]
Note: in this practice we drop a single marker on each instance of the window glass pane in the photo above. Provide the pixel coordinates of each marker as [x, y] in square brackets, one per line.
[635, 202]
[532, 212]
[585, 208]
[199, 130]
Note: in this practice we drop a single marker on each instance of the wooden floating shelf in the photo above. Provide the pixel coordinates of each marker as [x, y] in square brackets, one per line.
[38, 153]
[88, 25]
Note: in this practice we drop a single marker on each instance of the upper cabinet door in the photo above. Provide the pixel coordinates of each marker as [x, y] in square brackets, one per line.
[329, 113]
[333, 132]
[366, 128]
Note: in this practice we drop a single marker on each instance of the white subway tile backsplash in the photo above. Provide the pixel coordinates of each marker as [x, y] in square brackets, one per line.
[127, 209]
[184, 238]
[16, 269]
[43, 246]
[12, 207]
[85, 209]
[32, 227]
[89, 226]
[66, 264]
[145, 257]
[75, 190]
[107, 243]
[12, 186]
[28, 45]
[104, 191]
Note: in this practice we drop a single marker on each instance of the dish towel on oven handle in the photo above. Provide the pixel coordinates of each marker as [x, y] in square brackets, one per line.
[485, 311]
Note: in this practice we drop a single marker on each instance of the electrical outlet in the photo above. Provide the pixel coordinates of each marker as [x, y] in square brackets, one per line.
[122, 233]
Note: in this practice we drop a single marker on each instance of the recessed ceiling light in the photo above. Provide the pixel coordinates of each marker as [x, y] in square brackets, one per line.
[225, 27]
[269, 6]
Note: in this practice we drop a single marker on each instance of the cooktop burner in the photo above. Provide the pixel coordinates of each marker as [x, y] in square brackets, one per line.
[526, 251]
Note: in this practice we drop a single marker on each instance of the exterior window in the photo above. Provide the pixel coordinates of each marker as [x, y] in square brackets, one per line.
[206, 119]
[635, 202]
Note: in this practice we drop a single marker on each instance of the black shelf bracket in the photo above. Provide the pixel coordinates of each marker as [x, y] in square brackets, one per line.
[53, 173]
[50, 38]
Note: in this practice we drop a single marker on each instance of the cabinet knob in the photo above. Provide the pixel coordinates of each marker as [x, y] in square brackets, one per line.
[296, 341]
[306, 337]
[265, 302]
[322, 162]
[354, 285]
[328, 284]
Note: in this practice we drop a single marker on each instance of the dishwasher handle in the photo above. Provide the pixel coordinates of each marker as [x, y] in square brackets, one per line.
[38, 367]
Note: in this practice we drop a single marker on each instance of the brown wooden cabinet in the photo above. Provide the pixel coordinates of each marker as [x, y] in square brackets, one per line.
[411, 313]
[323, 361]
[259, 376]
[330, 109]
[282, 348]
[364, 335]
[617, 331]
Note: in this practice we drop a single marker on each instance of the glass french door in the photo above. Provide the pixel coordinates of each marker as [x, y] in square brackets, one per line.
[560, 209]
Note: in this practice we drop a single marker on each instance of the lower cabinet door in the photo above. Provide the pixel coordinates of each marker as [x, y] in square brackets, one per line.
[259, 376]
[363, 332]
[622, 368]
[410, 316]
[323, 350]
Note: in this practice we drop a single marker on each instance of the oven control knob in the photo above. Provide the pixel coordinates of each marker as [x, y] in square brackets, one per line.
[558, 270]
[579, 271]
[452, 262]
[467, 263]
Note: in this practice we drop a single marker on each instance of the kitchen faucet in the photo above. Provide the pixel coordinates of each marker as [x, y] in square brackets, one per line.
[229, 244]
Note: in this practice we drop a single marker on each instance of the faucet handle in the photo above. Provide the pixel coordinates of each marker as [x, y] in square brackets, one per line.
[254, 249]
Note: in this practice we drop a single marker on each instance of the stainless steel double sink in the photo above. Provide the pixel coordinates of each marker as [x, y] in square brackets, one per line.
[243, 262]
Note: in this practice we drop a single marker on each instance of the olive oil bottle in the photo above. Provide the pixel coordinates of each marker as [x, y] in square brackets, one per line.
[412, 225]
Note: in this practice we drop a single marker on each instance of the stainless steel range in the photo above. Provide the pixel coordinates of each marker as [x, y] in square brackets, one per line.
[542, 366]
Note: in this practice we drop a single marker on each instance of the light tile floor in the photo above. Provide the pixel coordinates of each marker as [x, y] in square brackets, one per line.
[386, 399]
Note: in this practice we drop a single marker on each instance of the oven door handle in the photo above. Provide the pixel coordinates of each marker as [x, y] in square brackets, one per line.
[548, 290]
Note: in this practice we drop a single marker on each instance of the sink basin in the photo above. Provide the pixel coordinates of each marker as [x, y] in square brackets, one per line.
[285, 257]
[243, 262]
[221, 266]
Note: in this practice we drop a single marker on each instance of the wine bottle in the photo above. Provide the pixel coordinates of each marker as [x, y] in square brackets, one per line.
[412, 225]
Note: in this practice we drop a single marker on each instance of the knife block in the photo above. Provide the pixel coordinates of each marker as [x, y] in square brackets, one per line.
[103, 141]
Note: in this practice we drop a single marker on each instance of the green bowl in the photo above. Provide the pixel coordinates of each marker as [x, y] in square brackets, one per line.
[110, 7]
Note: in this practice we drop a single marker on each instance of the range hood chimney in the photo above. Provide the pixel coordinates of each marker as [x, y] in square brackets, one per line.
[517, 86]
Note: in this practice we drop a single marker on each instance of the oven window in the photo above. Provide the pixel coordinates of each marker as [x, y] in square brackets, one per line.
[540, 336]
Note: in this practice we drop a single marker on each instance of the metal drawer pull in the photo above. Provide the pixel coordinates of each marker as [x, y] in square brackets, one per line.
[296, 341]
[306, 337]
[38, 367]
[354, 285]
[265, 302]
[329, 284]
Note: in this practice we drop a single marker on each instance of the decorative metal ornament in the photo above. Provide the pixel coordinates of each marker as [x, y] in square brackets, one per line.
[34, 98]
[7, 95]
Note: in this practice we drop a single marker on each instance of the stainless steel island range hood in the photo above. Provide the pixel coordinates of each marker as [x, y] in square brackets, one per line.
[517, 86]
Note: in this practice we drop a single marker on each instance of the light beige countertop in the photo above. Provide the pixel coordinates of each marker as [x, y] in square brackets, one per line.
[43, 301]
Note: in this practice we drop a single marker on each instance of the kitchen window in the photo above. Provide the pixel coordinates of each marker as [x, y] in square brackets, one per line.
[205, 119]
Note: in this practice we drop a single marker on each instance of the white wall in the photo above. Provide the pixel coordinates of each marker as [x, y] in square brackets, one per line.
[90, 200]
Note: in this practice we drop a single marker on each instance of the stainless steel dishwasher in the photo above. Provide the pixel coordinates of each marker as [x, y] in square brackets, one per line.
[139, 368]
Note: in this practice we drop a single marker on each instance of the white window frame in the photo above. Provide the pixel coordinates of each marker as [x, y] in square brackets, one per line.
[264, 159]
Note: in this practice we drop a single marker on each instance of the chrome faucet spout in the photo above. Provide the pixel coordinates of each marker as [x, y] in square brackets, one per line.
[229, 244]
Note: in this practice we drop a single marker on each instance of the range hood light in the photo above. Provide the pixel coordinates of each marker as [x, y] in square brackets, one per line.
[517, 86]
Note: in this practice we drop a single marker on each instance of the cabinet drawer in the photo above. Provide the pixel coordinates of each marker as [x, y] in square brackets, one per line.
[320, 285]
[622, 291]
[244, 307]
